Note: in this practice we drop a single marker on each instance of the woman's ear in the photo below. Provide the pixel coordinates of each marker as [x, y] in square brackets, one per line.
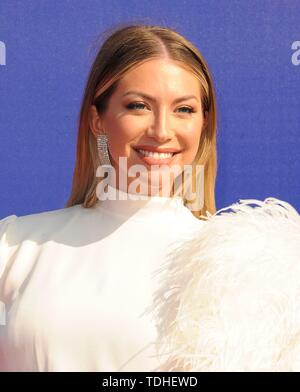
[95, 121]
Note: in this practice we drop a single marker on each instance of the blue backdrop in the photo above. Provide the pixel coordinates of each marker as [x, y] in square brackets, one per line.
[46, 50]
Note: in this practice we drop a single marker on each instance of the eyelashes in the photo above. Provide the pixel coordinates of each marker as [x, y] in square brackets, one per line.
[136, 105]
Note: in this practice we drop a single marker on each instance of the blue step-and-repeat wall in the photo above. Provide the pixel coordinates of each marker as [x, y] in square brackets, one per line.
[46, 49]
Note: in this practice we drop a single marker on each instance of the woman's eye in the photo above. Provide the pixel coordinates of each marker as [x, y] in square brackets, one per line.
[140, 105]
[190, 110]
[135, 105]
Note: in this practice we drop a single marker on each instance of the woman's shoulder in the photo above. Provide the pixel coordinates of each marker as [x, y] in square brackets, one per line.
[42, 222]
[192, 222]
[32, 231]
[4, 225]
[5, 222]
[185, 226]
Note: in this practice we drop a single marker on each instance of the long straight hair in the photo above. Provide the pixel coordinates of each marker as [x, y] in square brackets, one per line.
[125, 48]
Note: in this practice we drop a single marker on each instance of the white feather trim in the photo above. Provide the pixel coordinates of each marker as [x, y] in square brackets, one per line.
[229, 297]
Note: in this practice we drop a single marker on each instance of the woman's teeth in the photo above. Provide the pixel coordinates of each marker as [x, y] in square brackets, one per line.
[156, 155]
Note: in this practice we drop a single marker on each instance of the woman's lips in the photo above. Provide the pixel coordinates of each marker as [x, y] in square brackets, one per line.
[155, 161]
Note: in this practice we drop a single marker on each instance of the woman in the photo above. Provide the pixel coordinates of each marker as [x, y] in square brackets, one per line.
[75, 282]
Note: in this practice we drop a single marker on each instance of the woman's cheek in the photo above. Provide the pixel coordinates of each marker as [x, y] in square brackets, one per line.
[191, 149]
[131, 127]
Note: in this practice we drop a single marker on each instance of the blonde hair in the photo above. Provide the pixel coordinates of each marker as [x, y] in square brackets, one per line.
[125, 48]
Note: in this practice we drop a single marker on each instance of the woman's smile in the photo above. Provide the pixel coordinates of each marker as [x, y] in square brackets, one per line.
[154, 157]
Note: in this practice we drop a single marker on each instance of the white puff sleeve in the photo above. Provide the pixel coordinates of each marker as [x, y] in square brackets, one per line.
[229, 298]
[4, 223]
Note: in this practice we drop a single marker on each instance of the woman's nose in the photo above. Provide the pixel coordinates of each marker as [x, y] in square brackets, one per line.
[160, 128]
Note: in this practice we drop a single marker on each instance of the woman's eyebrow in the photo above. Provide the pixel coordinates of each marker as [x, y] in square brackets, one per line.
[146, 96]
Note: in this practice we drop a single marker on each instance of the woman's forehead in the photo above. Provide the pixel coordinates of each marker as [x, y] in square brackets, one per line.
[157, 77]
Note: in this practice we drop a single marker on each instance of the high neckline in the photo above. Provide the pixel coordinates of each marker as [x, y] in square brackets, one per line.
[129, 205]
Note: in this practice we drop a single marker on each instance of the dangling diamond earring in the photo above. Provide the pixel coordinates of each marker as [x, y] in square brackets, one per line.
[102, 149]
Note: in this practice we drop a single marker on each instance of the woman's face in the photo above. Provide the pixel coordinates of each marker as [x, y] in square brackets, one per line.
[150, 110]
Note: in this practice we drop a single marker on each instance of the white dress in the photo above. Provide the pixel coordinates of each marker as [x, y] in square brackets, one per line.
[75, 282]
